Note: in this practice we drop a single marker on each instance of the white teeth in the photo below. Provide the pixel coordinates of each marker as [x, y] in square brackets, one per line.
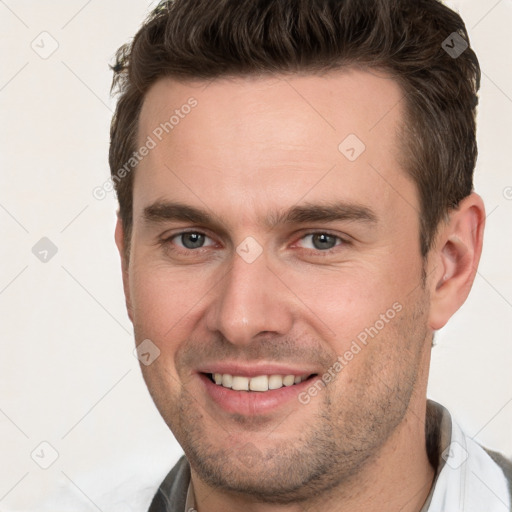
[240, 383]
[275, 382]
[260, 383]
[289, 380]
[227, 380]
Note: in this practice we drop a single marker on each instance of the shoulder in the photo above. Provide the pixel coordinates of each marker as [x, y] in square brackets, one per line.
[504, 463]
[171, 496]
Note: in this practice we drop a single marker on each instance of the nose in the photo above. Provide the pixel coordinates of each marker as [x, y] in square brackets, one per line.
[250, 300]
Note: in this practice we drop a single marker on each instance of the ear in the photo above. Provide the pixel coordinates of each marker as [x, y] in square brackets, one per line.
[454, 259]
[120, 242]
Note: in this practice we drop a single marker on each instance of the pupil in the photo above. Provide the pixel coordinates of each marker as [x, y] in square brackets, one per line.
[323, 241]
[192, 240]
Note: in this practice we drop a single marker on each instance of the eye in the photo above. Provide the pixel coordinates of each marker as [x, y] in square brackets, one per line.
[192, 240]
[320, 241]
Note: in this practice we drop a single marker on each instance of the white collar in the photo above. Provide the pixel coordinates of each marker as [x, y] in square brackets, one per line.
[469, 481]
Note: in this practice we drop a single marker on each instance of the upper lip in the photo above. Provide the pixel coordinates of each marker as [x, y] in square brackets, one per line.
[255, 369]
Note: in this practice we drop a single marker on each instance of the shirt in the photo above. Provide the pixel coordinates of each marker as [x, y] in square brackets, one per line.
[468, 477]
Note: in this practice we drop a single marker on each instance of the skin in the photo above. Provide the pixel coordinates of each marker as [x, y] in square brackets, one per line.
[259, 146]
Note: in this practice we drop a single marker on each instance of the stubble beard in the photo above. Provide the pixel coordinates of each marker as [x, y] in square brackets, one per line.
[349, 427]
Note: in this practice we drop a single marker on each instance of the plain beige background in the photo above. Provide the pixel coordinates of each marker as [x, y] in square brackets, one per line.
[68, 375]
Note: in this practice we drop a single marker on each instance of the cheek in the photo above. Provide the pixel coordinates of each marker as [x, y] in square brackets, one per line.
[166, 310]
[340, 303]
[166, 302]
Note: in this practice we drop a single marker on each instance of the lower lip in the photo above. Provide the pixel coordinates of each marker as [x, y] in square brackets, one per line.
[252, 403]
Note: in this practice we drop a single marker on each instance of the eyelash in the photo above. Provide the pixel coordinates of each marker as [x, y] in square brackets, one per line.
[340, 241]
[169, 240]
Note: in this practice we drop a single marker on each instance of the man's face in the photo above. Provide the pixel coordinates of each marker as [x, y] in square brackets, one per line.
[263, 247]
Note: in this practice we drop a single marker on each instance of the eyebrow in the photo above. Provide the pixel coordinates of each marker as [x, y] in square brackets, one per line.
[162, 211]
[328, 212]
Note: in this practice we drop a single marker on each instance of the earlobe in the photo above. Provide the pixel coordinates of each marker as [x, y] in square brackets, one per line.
[120, 243]
[455, 259]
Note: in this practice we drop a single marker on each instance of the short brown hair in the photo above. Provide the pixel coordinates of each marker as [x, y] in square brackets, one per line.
[205, 39]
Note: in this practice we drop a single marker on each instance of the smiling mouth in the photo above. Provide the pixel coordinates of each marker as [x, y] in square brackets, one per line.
[259, 383]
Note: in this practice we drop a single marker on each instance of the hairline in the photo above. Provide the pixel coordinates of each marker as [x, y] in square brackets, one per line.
[403, 135]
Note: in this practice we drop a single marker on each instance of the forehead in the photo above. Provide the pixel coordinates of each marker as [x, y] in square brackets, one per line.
[337, 103]
[247, 140]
